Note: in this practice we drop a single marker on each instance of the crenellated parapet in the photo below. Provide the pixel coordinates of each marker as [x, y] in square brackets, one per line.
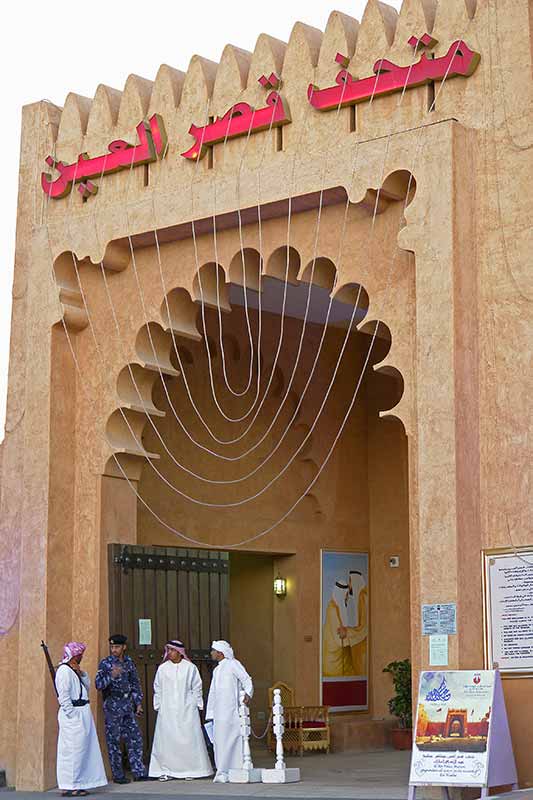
[372, 149]
[208, 90]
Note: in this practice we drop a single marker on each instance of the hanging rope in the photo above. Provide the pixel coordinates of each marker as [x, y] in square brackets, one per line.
[215, 245]
[151, 464]
[268, 485]
[282, 315]
[264, 532]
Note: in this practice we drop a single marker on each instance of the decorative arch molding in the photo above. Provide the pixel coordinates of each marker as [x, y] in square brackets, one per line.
[321, 272]
[66, 278]
[178, 322]
[246, 268]
[211, 287]
[284, 264]
[178, 313]
[153, 346]
[136, 383]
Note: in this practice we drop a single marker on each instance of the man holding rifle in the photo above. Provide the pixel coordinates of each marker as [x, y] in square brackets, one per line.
[79, 760]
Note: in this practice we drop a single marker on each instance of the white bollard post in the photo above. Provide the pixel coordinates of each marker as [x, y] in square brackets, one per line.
[280, 773]
[279, 728]
[247, 774]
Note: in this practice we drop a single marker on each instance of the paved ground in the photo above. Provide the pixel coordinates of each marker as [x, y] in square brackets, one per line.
[340, 776]
[382, 776]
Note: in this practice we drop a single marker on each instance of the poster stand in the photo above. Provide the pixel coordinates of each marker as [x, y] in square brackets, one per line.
[495, 766]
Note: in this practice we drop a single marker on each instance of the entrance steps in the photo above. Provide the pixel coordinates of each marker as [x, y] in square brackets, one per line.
[358, 733]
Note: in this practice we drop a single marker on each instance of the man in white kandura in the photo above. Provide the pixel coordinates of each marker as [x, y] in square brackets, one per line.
[79, 760]
[179, 749]
[229, 679]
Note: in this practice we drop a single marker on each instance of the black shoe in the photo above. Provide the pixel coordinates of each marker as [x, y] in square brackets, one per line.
[141, 778]
[121, 780]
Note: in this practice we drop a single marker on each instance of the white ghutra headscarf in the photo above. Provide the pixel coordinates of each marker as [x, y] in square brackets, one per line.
[223, 647]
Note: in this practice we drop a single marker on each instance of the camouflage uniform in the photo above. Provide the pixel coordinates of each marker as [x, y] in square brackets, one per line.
[121, 696]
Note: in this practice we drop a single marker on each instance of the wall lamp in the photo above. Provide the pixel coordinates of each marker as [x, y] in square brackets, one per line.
[280, 586]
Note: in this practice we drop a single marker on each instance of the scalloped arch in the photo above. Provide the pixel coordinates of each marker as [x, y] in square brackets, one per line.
[209, 286]
[323, 271]
[284, 261]
[179, 314]
[245, 268]
[154, 343]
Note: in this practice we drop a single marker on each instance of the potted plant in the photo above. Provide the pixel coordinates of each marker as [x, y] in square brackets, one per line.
[401, 705]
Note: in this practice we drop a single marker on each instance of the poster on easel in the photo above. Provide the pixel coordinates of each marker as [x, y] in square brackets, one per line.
[461, 735]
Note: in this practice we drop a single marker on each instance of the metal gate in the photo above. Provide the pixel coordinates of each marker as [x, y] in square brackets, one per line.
[184, 594]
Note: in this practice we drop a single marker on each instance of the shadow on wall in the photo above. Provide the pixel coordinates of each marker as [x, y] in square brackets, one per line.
[252, 620]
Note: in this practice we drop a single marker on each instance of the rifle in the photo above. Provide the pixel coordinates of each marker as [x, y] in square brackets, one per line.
[51, 668]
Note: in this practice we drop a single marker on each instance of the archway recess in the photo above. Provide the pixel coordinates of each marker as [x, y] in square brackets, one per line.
[359, 501]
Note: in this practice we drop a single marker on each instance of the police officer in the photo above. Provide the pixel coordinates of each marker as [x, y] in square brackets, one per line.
[118, 680]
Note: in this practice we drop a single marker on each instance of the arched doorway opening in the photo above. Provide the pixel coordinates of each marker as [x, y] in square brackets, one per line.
[273, 418]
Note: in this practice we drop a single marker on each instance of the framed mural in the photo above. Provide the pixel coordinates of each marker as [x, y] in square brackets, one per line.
[344, 630]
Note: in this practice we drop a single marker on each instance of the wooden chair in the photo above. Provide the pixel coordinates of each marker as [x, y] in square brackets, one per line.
[306, 727]
[315, 728]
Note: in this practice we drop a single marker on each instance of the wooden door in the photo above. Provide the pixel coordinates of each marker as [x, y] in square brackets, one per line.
[185, 595]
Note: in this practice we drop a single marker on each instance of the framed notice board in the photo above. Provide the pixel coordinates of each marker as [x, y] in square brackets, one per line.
[508, 611]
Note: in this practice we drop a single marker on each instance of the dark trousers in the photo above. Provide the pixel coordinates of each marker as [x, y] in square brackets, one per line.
[120, 723]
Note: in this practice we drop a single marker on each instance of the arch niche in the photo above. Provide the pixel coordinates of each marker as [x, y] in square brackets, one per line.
[161, 443]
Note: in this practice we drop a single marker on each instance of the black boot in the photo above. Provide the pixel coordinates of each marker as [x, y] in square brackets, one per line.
[121, 780]
[141, 778]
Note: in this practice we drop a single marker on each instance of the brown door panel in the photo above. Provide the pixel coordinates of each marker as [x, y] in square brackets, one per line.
[185, 594]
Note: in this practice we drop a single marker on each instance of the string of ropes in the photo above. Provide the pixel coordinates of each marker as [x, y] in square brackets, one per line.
[243, 261]
[133, 378]
[245, 432]
[262, 533]
[316, 420]
[176, 349]
[139, 444]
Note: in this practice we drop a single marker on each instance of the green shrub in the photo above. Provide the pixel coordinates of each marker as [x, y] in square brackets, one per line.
[401, 705]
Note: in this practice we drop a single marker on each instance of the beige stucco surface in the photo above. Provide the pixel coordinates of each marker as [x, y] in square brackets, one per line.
[448, 276]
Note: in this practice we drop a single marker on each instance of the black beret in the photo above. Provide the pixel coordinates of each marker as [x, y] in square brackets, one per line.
[118, 638]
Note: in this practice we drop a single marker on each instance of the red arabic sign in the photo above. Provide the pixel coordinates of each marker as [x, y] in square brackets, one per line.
[242, 120]
[389, 78]
[121, 155]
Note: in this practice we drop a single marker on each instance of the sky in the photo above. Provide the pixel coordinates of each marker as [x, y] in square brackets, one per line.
[50, 49]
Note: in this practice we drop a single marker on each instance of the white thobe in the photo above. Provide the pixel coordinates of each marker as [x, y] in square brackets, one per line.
[229, 679]
[79, 760]
[179, 747]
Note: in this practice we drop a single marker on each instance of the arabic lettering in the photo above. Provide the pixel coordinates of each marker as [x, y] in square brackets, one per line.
[241, 119]
[388, 77]
[453, 768]
[272, 82]
[122, 155]
[423, 41]
[440, 694]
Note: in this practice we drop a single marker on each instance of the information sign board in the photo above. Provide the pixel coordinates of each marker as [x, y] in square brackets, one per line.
[509, 611]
